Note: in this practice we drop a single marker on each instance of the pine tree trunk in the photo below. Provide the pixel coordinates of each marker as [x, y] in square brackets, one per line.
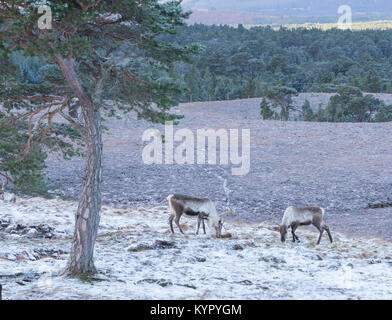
[88, 213]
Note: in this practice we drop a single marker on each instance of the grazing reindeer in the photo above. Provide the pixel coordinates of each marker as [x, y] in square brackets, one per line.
[202, 208]
[294, 217]
[6, 196]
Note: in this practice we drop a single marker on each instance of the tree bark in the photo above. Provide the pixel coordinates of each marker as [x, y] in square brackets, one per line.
[88, 213]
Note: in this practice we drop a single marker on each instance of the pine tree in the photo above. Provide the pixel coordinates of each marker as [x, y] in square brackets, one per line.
[250, 88]
[208, 85]
[84, 45]
[281, 97]
[307, 111]
[192, 80]
[265, 110]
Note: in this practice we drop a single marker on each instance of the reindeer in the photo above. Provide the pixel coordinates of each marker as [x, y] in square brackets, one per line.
[294, 217]
[6, 196]
[202, 208]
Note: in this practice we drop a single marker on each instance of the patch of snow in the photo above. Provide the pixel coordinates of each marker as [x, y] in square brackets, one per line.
[138, 258]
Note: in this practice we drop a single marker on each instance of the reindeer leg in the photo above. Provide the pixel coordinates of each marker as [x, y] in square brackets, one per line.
[199, 219]
[204, 227]
[321, 233]
[171, 223]
[294, 227]
[328, 232]
[177, 221]
[173, 213]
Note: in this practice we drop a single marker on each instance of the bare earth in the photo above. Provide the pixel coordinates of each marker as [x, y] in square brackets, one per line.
[342, 167]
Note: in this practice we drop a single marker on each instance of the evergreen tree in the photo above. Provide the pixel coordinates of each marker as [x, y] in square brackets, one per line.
[373, 82]
[250, 89]
[101, 51]
[307, 111]
[384, 113]
[306, 60]
[281, 97]
[208, 85]
[350, 105]
[265, 110]
[192, 80]
[321, 113]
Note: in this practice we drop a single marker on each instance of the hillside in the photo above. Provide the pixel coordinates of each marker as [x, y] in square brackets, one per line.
[344, 167]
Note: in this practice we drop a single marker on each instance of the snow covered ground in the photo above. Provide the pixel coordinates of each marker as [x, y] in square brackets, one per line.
[138, 258]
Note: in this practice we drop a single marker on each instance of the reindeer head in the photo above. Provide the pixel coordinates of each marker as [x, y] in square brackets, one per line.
[218, 228]
[219, 225]
[283, 232]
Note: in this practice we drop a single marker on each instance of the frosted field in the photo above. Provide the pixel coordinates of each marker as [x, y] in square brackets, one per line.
[138, 258]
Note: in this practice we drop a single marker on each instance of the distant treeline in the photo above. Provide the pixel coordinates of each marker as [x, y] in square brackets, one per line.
[294, 7]
[240, 63]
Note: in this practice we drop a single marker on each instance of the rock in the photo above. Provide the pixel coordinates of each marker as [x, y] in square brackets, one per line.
[264, 259]
[20, 227]
[141, 247]
[32, 233]
[4, 223]
[11, 257]
[374, 261]
[190, 286]
[278, 260]
[226, 235]
[52, 253]
[9, 229]
[162, 282]
[158, 244]
[49, 235]
[163, 244]
[335, 266]
[246, 282]
[275, 260]
[43, 228]
[30, 255]
[238, 247]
